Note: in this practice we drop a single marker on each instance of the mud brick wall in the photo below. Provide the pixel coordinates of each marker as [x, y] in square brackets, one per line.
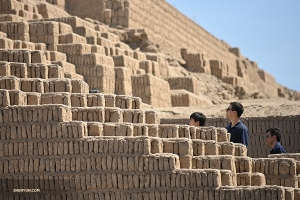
[183, 98]
[151, 89]
[187, 83]
[101, 77]
[196, 62]
[218, 68]
[45, 113]
[280, 171]
[16, 30]
[257, 126]
[152, 15]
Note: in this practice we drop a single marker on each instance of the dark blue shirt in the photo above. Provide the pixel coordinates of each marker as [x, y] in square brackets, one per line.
[239, 133]
[278, 148]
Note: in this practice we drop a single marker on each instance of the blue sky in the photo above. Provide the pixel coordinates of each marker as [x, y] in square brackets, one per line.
[266, 31]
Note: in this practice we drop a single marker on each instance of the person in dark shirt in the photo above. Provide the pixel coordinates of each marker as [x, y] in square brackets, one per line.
[197, 119]
[238, 131]
[273, 140]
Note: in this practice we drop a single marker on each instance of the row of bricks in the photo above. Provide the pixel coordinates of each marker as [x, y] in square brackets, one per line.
[44, 113]
[10, 18]
[183, 98]
[271, 166]
[6, 43]
[91, 59]
[126, 61]
[49, 28]
[73, 21]
[105, 83]
[174, 194]
[80, 49]
[37, 27]
[29, 130]
[188, 83]
[23, 56]
[43, 85]
[196, 147]
[34, 70]
[257, 179]
[153, 129]
[245, 164]
[98, 114]
[17, 97]
[260, 192]
[85, 146]
[103, 164]
[121, 145]
[79, 129]
[9, 5]
[191, 179]
[251, 179]
[215, 162]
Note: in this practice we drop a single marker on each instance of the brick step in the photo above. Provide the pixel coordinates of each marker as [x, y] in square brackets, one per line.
[11, 18]
[280, 171]
[68, 67]
[86, 32]
[72, 38]
[47, 130]
[35, 70]
[23, 56]
[184, 98]
[192, 132]
[90, 59]
[111, 36]
[73, 76]
[228, 178]
[187, 148]
[121, 129]
[224, 162]
[77, 147]
[55, 56]
[80, 49]
[73, 21]
[18, 97]
[95, 182]
[43, 85]
[250, 179]
[258, 192]
[108, 114]
[29, 113]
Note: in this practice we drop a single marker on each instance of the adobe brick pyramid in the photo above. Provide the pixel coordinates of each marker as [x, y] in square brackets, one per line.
[67, 143]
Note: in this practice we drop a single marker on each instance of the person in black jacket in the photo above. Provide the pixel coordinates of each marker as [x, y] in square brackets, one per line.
[273, 140]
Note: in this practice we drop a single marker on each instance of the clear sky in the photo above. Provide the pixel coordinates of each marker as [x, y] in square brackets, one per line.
[266, 31]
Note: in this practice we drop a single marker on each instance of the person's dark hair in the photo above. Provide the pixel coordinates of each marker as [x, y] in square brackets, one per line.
[199, 117]
[275, 131]
[238, 107]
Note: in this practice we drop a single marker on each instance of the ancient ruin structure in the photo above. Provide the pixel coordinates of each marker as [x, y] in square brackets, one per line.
[68, 143]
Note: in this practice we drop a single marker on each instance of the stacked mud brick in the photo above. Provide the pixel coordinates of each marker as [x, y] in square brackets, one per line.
[257, 126]
[71, 144]
[18, 10]
[99, 57]
[158, 22]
